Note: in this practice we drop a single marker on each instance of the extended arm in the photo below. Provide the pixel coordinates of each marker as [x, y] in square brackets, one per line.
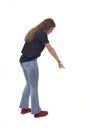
[54, 54]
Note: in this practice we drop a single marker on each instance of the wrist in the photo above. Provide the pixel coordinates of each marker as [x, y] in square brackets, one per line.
[59, 62]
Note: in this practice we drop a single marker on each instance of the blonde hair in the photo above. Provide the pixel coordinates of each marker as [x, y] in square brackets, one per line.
[44, 25]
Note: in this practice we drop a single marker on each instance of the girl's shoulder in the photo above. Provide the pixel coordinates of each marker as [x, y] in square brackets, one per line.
[40, 32]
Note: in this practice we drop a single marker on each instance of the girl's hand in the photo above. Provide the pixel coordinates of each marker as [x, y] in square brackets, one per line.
[61, 65]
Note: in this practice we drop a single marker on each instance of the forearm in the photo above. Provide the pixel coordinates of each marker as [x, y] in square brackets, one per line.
[54, 54]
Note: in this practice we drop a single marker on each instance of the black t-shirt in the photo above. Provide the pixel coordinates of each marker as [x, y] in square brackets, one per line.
[34, 48]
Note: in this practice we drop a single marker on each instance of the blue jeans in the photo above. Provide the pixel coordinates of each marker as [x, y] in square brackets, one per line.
[31, 74]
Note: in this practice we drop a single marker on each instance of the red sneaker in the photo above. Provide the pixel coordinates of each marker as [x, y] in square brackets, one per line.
[40, 114]
[24, 111]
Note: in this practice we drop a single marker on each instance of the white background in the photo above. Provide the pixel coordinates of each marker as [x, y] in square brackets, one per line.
[62, 92]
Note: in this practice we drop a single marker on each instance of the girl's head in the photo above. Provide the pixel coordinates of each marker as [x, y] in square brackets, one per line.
[47, 25]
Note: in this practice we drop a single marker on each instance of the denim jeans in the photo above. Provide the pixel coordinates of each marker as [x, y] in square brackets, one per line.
[31, 74]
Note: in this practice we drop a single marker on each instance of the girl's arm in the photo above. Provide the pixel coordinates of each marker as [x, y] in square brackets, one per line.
[54, 54]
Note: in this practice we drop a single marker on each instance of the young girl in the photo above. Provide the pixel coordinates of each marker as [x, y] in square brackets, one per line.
[35, 42]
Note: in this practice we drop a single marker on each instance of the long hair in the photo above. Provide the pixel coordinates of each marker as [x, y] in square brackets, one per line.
[44, 25]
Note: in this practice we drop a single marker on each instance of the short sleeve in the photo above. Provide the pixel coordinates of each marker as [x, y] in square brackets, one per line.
[42, 36]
